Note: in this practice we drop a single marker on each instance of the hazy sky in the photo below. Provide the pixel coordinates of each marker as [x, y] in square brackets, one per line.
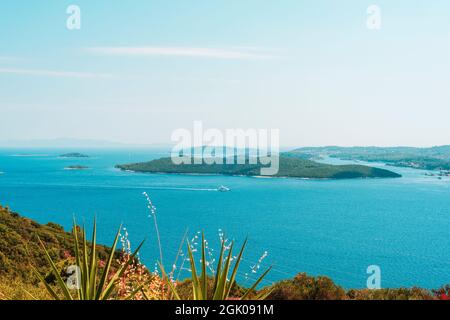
[137, 70]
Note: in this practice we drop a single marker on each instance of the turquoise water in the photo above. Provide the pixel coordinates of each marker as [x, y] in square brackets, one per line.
[333, 228]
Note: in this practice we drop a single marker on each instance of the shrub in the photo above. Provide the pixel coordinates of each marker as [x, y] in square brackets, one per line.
[94, 282]
[442, 293]
[390, 294]
[304, 287]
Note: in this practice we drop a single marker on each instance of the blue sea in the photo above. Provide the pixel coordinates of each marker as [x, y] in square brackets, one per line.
[322, 227]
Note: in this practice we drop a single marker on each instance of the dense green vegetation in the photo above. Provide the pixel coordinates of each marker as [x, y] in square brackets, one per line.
[304, 287]
[435, 158]
[20, 249]
[289, 167]
[19, 246]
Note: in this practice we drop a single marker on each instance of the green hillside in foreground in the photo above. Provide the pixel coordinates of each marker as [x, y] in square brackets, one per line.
[19, 246]
[19, 250]
[289, 167]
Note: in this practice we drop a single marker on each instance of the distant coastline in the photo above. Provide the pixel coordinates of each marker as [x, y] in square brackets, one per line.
[434, 158]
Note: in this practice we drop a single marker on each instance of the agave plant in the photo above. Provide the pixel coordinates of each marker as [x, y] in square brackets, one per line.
[223, 281]
[92, 283]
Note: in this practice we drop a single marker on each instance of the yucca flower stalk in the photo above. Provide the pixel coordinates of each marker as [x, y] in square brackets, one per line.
[152, 215]
[223, 281]
[93, 284]
[135, 275]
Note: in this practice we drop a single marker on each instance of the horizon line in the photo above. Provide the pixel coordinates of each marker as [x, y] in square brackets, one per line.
[90, 143]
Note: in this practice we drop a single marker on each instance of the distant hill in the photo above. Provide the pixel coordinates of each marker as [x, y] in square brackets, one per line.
[289, 167]
[433, 158]
[73, 143]
[59, 143]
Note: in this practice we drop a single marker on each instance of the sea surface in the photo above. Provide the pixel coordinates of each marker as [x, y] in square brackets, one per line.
[322, 227]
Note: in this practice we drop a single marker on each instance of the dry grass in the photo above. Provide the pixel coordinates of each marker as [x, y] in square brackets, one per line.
[16, 289]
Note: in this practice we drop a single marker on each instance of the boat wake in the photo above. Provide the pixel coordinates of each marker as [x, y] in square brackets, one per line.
[182, 189]
[26, 155]
[102, 186]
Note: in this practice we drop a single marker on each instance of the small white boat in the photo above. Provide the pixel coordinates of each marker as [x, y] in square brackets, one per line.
[223, 189]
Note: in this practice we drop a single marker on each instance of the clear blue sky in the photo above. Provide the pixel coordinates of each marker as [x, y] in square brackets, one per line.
[139, 69]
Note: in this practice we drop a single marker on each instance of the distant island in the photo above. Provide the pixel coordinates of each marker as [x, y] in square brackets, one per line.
[289, 167]
[74, 155]
[434, 158]
[76, 167]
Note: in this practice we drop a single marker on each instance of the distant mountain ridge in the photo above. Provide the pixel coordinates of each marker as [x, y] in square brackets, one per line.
[74, 143]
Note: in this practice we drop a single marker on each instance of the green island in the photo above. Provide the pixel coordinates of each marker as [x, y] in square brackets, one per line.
[74, 155]
[434, 158]
[22, 257]
[291, 167]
